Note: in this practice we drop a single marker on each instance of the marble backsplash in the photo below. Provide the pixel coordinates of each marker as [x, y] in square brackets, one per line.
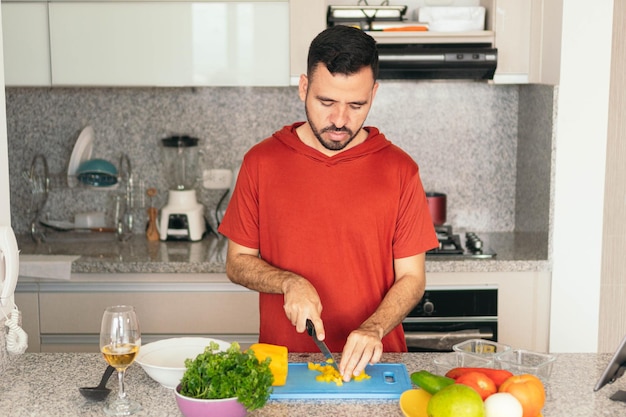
[488, 147]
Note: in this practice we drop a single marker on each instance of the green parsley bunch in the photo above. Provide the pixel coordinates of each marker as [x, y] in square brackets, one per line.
[216, 375]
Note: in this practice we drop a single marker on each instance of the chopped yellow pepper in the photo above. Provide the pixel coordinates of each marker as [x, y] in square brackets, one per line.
[330, 374]
[278, 360]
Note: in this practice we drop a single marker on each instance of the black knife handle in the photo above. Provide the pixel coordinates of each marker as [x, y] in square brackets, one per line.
[310, 328]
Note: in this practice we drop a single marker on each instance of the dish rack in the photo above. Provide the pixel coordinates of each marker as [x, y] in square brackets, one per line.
[41, 183]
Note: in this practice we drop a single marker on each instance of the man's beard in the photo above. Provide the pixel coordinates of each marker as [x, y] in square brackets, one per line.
[330, 145]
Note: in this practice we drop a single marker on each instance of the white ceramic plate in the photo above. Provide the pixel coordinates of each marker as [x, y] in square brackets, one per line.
[81, 153]
[164, 361]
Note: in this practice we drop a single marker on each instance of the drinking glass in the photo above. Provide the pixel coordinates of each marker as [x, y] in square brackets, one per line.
[123, 218]
[120, 339]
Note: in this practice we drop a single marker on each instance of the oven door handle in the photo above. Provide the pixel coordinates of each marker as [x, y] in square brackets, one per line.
[443, 341]
[464, 319]
[465, 334]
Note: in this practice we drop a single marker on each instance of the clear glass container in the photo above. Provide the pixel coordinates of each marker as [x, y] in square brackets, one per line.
[520, 361]
[481, 347]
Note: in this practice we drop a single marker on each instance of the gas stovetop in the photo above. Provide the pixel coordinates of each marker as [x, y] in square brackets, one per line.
[450, 245]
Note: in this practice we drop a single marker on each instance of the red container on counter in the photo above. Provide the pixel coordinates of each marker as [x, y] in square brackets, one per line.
[437, 207]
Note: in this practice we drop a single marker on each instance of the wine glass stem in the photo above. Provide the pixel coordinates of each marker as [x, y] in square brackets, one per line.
[122, 392]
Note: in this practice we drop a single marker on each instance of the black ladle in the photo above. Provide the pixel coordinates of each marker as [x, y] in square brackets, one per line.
[100, 392]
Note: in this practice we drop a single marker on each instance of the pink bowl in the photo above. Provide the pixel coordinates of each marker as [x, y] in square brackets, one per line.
[192, 407]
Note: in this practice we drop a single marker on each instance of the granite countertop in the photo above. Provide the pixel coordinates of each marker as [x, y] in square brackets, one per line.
[46, 384]
[103, 253]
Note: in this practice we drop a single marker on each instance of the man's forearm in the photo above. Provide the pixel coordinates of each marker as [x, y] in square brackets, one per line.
[301, 301]
[254, 273]
[399, 301]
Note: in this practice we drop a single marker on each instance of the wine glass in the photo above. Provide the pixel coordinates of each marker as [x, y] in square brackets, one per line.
[120, 340]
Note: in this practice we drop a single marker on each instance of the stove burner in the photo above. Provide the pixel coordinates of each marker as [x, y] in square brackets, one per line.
[450, 245]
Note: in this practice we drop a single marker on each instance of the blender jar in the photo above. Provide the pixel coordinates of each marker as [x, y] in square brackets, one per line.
[180, 156]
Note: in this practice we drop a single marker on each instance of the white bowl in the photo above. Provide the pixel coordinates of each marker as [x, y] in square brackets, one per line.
[164, 361]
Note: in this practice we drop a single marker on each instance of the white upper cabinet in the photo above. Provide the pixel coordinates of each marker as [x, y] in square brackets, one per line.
[169, 43]
[26, 43]
[513, 21]
[308, 18]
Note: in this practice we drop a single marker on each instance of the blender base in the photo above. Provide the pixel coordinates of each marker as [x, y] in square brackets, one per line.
[182, 218]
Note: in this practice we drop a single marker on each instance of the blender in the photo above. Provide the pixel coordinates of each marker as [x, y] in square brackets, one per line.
[182, 218]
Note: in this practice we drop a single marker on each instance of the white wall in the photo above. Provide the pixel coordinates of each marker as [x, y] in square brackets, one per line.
[579, 174]
[5, 212]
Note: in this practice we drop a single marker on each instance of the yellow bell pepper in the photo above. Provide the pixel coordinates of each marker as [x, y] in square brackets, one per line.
[278, 357]
[328, 373]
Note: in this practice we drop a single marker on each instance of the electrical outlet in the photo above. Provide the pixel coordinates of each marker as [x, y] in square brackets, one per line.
[217, 179]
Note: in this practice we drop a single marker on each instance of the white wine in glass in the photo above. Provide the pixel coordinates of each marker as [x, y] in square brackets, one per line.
[120, 339]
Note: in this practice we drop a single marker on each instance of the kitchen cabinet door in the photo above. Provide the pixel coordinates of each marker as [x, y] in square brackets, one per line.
[169, 43]
[308, 18]
[26, 43]
[513, 23]
[223, 315]
[27, 301]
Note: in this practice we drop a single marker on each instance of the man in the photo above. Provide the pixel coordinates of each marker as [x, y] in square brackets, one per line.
[329, 220]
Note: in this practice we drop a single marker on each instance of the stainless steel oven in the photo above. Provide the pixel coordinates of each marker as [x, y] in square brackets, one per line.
[449, 315]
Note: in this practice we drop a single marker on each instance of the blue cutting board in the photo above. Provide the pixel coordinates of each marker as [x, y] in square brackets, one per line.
[388, 381]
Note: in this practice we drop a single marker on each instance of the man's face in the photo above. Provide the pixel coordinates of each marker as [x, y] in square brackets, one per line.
[337, 105]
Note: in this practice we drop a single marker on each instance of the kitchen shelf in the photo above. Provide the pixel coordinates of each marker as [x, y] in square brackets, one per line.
[415, 37]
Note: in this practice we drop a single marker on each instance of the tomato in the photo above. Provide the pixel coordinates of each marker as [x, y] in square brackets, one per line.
[529, 391]
[480, 382]
[496, 375]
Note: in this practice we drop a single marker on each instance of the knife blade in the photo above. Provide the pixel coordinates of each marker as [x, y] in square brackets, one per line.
[310, 328]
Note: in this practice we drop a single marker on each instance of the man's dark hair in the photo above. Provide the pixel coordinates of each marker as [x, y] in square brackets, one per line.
[344, 50]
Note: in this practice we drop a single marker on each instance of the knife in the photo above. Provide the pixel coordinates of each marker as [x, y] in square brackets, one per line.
[310, 328]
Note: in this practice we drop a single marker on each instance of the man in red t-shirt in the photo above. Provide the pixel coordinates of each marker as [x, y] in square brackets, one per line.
[328, 220]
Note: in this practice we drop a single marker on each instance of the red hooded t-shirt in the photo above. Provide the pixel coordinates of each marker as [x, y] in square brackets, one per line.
[338, 221]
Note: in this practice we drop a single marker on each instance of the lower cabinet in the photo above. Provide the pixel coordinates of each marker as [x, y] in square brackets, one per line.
[69, 314]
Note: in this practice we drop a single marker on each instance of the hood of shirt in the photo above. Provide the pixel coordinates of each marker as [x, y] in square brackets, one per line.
[375, 142]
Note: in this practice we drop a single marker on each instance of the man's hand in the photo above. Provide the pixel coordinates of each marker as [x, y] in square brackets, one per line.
[363, 347]
[301, 302]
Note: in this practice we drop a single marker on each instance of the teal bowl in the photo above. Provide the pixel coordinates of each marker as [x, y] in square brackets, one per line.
[97, 173]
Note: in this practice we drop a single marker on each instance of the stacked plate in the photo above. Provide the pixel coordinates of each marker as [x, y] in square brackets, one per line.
[81, 153]
[83, 169]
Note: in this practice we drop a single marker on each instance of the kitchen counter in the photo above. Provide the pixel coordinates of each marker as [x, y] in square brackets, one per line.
[188, 275]
[45, 384]
[102, 253]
